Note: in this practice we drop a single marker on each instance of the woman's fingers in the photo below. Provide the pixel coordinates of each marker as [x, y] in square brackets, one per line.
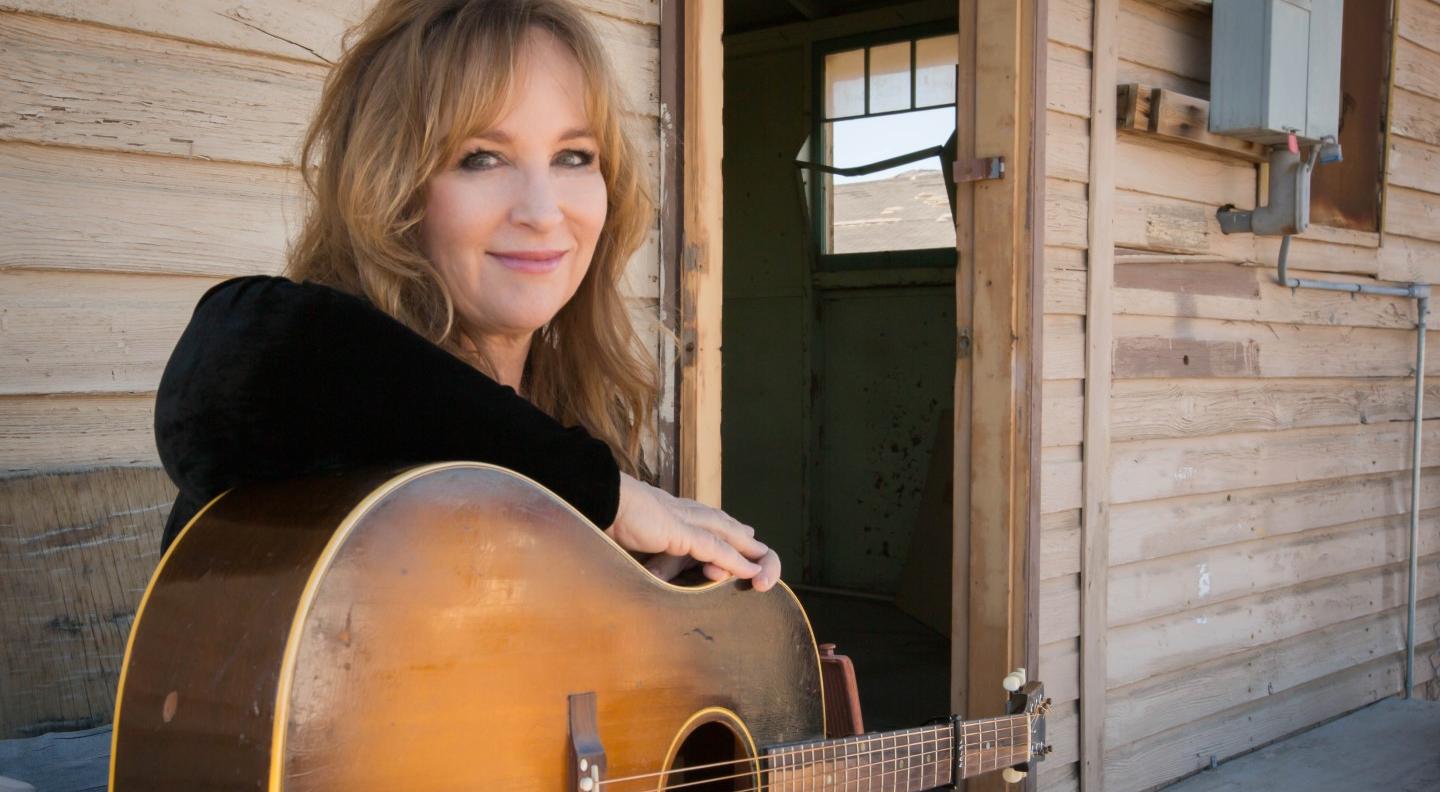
[666, 567]
[710, 548]
[769, 572]
[737, 534]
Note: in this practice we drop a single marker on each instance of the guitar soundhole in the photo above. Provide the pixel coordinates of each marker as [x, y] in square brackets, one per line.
[711, 760]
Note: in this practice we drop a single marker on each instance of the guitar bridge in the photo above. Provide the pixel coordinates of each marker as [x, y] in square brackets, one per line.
[587, 755]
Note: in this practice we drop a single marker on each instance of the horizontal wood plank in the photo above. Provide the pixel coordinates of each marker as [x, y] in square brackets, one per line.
[1177, 583]
[1067, 80]
[1157, 409]
[1060, 670]
[1220, 290]
[1152, 529]
[1412, 213]
[76, 551]
[1163, 701]
[1070, 23]
[1067, 147]
[51, 433]
[67, 332]
[1188, 747]
[1067, 214]
[1061, 412]
[1153, 469]
[1420, 22]
[1415, 165]
[156, 95]
[1065, 280]
[1415, 116]
[1059, 544]
[1059, 608]
[115, 212]
[1164, 347]
[301, 29]
[1417, 69]
[1164, 40]
[1148, 165]
[1171, 643]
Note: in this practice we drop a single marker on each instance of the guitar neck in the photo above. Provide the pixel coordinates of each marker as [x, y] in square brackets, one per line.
[907, 760]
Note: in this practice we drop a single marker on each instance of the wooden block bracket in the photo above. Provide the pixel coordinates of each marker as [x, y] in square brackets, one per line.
[1177, 118]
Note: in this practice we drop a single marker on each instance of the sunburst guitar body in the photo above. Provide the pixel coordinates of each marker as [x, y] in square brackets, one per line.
[457, 626]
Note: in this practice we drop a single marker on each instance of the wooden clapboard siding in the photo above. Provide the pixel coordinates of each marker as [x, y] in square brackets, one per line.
[75, 552]
[1259, 437]
[1207, 632]
[1188, 746]
[1064, 281]
[1177, 583]
[1162, 701]
[1067, 158]
[1064, 405]
[1150, 529]
[147, 151]
[76, 432]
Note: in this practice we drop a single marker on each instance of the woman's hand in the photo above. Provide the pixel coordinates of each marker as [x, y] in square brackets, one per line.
[651, 520]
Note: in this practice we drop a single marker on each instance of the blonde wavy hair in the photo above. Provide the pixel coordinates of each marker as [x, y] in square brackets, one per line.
[417, 78]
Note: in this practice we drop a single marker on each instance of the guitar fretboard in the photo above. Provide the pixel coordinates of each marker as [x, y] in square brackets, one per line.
[908, 760]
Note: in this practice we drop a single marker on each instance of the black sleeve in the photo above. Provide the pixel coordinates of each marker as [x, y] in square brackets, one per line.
[274, 379]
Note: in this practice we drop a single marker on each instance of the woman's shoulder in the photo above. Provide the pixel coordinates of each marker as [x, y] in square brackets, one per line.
[254, 291]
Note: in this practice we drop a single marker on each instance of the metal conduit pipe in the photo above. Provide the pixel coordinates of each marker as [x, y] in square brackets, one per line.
[1420, 292]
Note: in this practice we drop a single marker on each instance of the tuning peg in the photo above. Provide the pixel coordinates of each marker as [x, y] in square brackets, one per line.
[1012, 776]
[1014, 680]
[1044, 707]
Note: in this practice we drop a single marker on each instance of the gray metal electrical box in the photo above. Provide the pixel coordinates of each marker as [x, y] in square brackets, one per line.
[1275, 68]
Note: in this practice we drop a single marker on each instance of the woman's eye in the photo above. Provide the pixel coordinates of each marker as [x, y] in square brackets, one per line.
[577, 158]
[478, 160]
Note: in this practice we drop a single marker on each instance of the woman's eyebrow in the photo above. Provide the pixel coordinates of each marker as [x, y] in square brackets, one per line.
[570, 134]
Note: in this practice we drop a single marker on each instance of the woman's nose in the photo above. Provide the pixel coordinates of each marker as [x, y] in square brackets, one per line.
[538, 204]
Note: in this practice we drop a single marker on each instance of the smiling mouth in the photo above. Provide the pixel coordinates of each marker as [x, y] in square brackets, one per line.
[530, 261]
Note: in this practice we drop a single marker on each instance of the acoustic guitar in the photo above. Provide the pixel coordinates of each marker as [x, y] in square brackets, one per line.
[456, 626]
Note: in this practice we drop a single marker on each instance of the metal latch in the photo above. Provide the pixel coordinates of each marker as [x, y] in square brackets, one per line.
[982, 169]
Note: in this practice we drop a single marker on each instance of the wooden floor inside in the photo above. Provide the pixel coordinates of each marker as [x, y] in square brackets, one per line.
[1392, 745]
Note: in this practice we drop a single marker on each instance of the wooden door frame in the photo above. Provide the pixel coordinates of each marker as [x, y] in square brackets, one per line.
[691, 235]
[999, 313]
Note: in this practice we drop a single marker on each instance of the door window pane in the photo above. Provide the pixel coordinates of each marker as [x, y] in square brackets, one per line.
[935, 61]
[890, 77]
[903, 208]
[845, 84]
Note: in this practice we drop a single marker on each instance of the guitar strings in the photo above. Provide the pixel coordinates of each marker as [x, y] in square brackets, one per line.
[799, 751]
[809, 770]
[814, 775]
[932, 736]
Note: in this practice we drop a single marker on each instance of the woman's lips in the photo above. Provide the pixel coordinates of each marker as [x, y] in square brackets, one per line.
[530, 260]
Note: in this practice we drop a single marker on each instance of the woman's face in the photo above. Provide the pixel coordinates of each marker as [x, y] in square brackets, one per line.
[511, 222]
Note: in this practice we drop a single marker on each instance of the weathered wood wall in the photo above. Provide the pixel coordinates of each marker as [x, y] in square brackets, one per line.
[147, 151]
[1258, 438]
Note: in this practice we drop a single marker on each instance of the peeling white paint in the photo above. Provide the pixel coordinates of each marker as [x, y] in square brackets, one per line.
[1185, 473]
[1202, 619]
[1202, 589]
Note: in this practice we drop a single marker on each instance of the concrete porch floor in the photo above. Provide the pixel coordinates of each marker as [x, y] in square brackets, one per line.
[1392, 745]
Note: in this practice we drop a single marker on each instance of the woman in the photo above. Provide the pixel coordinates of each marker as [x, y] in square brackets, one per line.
[475, 200]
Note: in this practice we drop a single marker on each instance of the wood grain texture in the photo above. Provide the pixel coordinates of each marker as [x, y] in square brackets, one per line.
[75, 552]
[1419, 21]
[1065, 281]
[1161, 702]
[298, 29]
[1177, 583]
[68, 332]
[1067, 80]
[1160, 347]
[1171, 408]
[1185, 749]
[1170, 643]
[50, 433]
[1110, 161]
[1152, 529]
[1160, 39]
[1414, 164]
[1150, 469]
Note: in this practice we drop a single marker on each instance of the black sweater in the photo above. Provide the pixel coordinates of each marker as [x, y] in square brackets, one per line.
[274, 379]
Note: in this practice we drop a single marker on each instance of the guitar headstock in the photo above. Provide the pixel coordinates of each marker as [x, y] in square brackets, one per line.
[1029, 700]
